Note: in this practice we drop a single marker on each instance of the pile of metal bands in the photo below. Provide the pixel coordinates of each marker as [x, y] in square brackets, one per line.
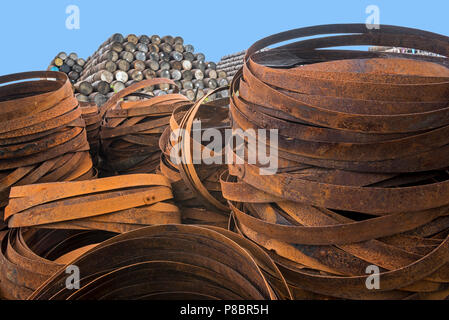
[117, 204]
[171, 262]
[363, 150]
[93, 119]
[70, 64]
[42, 133]
[29, 257]
[196, 182]
[122, 61]
[131, 129]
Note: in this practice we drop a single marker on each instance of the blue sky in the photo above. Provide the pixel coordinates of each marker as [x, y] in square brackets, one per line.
[33, 32]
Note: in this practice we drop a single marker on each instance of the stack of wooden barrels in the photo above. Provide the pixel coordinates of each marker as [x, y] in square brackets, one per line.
[70, 64]
[65, 219]
[231, 63]
[122, 61]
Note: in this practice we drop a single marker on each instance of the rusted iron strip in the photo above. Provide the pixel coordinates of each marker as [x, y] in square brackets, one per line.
[28, 257]
[131, 129]
[42, 135]
[328, 213]
[113, 199]
[186, 167]
[184, 261]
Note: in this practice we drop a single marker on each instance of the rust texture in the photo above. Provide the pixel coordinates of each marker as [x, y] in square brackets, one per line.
[196, 187]
[92, 117]
[117, 204]
[29, 257]
[172, 262]
[42, 134]
[131, 129]
[362, 179]
[363, 161]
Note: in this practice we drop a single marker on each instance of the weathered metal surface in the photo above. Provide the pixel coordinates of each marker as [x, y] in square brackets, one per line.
[29, 257]
[42, 135]
[131, 129]
[116, 204]
[362, 176]
[92, 118]
[363, 159]
[196, 187]
[172, 262]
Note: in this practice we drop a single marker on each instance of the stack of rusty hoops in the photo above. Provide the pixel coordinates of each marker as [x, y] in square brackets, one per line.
[171, 262]
[363, 162]
[93, 119]
[116, 204]
[196, 187]
[29, 257]
[42, 134]
[131, 130]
